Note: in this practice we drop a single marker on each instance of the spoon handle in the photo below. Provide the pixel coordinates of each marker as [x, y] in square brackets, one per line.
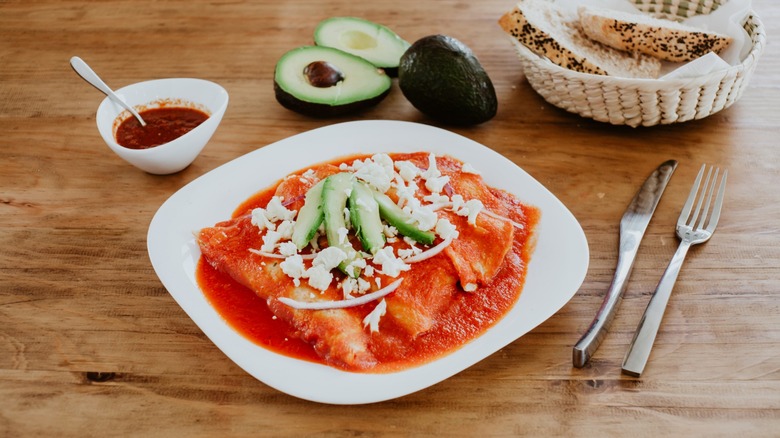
[90, 76]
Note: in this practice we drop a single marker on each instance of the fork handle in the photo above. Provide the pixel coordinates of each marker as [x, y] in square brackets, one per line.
[644, 337]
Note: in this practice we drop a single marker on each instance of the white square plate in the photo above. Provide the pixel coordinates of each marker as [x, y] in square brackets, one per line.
[556, 270]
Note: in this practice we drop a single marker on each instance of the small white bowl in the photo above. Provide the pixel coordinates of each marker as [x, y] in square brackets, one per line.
[175, 155]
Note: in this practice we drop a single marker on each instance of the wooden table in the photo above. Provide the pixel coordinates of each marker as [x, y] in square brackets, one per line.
[91, 344]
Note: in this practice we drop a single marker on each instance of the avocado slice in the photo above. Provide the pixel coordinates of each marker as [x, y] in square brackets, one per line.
[326, 82]
[309, 218]
[373, 42]
[395, 216]
[334, 201]
[364, 215]
[443, 79]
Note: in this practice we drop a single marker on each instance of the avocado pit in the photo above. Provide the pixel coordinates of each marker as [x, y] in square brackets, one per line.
[323, 74]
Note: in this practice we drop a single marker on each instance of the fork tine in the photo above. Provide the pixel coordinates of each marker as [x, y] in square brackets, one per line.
[718, 203]
[686, 210]
[692, 221]
[694, 196]
[708, 191]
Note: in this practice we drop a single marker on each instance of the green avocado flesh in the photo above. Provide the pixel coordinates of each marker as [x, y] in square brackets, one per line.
[443, 79]
[371, 41]
[323, 82]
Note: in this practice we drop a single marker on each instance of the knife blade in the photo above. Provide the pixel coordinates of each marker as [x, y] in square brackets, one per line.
[632, 229]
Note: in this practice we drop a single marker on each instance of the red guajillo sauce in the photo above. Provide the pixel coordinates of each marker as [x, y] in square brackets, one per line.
[163, 124]
[468, 315]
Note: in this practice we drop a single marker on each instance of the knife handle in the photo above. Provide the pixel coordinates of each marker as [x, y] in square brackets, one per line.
[590, 341]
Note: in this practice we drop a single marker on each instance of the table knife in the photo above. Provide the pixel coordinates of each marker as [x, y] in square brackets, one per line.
[632, 229]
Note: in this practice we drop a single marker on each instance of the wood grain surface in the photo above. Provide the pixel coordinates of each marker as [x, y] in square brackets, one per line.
[91, 344]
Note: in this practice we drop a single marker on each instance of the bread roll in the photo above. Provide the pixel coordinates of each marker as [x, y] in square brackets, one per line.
[555, 33]
[639, 33]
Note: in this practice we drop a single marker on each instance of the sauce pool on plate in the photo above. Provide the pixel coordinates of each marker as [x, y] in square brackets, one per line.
[163, 125]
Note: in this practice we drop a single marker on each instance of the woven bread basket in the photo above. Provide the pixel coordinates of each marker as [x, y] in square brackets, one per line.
[646, 102]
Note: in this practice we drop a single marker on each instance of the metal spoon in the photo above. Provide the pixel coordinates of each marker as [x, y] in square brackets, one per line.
[90, 76]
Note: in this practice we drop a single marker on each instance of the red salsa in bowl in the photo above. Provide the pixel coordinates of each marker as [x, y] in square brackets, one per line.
[163, 124]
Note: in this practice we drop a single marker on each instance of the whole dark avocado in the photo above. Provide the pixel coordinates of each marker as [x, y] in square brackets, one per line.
[443, 79]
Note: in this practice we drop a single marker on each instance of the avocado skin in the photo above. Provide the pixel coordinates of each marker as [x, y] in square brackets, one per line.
[443, 79]
[391, 71]
[320, 110]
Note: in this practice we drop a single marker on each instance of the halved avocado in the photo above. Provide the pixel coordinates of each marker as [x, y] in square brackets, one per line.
[373, 42]
[324, 82]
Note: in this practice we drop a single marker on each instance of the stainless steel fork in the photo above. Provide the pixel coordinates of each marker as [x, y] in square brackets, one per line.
[693, 227]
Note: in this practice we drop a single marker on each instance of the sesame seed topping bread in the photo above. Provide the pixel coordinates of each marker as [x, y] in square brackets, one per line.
[555, 33]
[639, 33]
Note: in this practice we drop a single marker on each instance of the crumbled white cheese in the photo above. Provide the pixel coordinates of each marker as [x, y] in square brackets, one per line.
[457, 202]
[270, 240]
[363, 285]
[423, 216]
[391, 265]
[389, 230]
[368, 271]
[474, 206]
[354, 267]
[468, 168]
[470, 287]
[372, 319]
[409, 252]
[319, 277]
[275, 211]
[352, 270]
[407, 170]
[287, 249]
[470, 208]
[359, 263]
[375, 175]
[347, 218]
[436, 198]
[432, 171]
[342, 232]
[386, 162]
[261, 221]
[309, 174]
[445, 229]
[406, 193]
[285, 229]
[293, 267]
[348, 287]
[329, 257]
[435, 185]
